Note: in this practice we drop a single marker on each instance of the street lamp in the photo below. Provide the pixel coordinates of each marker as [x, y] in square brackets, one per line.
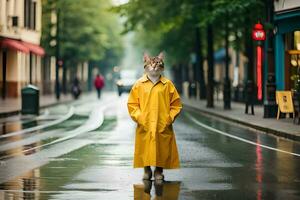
[259, 35]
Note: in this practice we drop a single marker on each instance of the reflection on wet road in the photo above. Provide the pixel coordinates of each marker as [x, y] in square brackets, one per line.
[98, 164]
[166, 190]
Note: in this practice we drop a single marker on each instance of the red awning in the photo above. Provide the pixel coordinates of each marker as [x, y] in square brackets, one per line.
[36, 49]
[14, 45]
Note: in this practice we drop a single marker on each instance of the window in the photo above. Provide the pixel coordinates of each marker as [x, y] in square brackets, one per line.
[297, 40]
[30, 14]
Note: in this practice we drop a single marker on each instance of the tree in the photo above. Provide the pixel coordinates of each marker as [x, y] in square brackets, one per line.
[88, 32]
[172, 24]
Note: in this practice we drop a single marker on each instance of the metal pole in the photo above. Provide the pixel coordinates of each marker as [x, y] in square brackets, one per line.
[270, 107]
[227, 85]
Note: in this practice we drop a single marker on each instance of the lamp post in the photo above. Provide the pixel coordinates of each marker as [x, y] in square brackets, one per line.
[259, 35]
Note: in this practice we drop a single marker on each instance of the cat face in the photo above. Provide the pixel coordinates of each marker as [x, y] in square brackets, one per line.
[154, 62]
[153, 65]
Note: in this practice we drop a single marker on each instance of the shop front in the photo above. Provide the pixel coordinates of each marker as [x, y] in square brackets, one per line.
[20, 64]
[287, 51]
[287, 47]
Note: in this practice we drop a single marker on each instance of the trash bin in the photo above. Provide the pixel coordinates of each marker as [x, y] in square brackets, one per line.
[30, 100]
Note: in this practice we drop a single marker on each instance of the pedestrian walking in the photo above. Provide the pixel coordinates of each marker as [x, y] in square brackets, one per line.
[154, 104]
[249, 97]
[75, 89]
[99, 84]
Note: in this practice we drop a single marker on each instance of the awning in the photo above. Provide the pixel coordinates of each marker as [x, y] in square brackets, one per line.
[35, 49]
[13, 45]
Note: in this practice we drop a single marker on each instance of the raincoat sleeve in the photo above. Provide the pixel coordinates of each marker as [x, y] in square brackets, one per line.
[133, 104]
[175, 103]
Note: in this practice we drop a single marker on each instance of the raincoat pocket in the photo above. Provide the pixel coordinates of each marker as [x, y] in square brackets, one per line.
[141, 122]
[140, 119]
[164, 124]
[169, 120]
[141, 129]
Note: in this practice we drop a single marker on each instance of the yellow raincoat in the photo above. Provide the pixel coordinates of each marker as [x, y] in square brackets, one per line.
[154, 108]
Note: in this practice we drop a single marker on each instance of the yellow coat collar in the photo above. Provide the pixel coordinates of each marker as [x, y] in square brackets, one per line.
[161, 79]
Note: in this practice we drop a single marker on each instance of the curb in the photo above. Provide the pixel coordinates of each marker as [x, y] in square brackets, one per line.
[260, 128]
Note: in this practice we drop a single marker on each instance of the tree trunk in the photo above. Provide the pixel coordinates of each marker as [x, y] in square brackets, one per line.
[227, 82]
[249, 54]
[199, 65]
[90, 77]
[210, 72]
[64, 79]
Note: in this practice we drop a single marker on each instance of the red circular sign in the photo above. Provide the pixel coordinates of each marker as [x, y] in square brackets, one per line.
[258, 32]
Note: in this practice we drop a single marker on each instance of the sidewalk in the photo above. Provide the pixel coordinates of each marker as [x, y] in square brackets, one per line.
[282, 127]
[12, 106]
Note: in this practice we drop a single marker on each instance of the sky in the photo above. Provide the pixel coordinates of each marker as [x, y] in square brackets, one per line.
[119, 2]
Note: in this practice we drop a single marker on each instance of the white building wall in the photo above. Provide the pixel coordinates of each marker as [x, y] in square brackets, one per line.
[18, 62]
[284, 5]
[3, 20]
[10, 8]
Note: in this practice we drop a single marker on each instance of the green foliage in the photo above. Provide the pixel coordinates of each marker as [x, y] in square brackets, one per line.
[87, 30]
[169, 25]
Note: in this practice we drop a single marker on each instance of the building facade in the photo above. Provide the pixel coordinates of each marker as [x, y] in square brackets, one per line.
[287, 43]
[20, 53]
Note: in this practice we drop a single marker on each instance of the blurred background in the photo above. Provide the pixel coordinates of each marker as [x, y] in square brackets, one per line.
[59, 140]
[210, 53]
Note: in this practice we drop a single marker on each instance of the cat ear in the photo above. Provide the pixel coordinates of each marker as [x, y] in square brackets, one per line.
[146, 57]
[161, 55]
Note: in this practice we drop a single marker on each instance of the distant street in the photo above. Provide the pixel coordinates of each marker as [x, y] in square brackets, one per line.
[84, 150]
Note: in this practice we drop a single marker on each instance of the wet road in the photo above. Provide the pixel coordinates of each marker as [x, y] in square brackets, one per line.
[218, 160]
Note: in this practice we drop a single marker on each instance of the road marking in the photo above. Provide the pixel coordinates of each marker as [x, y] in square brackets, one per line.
[236, 137]
[57, 191]
[95, 120]
[15, 119]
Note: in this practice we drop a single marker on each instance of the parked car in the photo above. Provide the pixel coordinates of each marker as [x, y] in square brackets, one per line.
[126, 80]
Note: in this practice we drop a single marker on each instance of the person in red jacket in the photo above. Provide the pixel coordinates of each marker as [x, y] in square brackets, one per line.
[99, 84]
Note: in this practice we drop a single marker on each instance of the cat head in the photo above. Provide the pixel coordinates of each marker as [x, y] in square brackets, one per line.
[156, 61]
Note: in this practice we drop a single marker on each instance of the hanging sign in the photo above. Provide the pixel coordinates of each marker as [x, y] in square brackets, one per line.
[258, 32]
